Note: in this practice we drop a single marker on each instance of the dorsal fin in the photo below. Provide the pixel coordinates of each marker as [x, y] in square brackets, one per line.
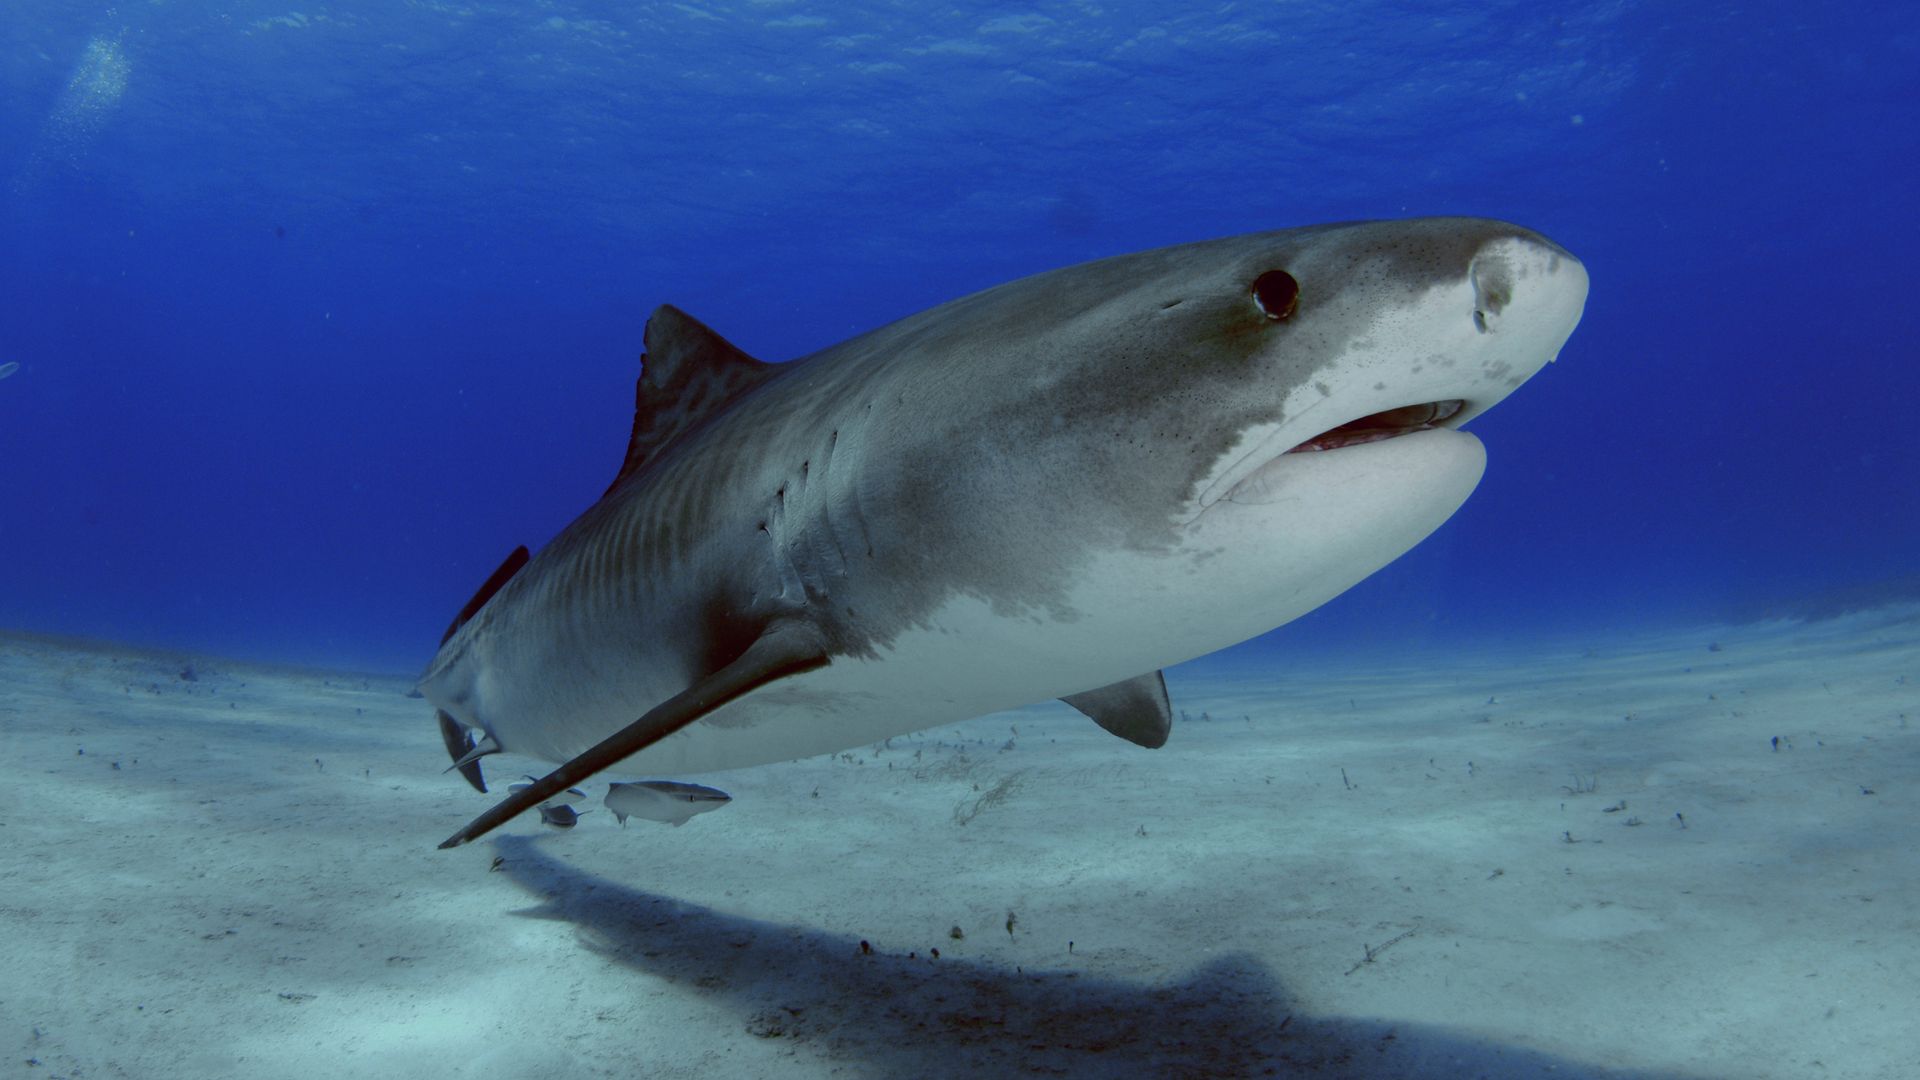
[687, 374]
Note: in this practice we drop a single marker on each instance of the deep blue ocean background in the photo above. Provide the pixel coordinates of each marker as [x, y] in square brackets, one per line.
[320, 308]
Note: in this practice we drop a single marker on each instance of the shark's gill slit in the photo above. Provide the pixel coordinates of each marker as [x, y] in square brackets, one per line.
[1385, 425]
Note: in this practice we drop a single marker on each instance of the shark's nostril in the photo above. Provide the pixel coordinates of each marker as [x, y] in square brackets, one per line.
[1492, 275]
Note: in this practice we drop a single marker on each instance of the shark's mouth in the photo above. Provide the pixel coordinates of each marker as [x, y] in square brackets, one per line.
[1385, 425]
[1252, 478]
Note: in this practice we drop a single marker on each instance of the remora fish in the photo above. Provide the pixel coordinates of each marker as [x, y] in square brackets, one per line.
[1053, 488]
[670, 801]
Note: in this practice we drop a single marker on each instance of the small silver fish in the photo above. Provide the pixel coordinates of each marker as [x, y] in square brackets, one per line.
[663, 800]
[560, 817]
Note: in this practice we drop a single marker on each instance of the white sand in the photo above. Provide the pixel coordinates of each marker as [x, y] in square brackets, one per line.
[254, 891]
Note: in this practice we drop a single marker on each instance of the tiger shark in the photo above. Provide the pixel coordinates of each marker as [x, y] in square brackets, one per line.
[1050, 489]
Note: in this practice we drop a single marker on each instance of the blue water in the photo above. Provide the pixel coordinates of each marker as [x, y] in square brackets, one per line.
[321, 308]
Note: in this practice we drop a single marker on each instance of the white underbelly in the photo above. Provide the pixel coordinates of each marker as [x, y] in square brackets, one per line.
[1316, 526]
[971, 662]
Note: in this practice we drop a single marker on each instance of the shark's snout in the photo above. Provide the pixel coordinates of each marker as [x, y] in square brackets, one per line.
[1522, 296]
[1459, 330]
[1529, 282]
[1525, 292]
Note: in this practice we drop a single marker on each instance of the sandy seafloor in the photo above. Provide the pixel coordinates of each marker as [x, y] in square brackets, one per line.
[236, 876]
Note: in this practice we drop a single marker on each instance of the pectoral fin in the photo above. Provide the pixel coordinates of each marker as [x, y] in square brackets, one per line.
[461, 747]
[466, 753]
[784, 649]
[1137, 710]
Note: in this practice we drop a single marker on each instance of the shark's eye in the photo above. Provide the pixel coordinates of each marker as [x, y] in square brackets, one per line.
[1277, 294]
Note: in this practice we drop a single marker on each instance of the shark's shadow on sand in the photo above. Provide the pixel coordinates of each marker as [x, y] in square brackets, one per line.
[884, 1015]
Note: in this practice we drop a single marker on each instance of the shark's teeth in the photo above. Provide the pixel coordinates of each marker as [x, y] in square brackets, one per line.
[1384, 425]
